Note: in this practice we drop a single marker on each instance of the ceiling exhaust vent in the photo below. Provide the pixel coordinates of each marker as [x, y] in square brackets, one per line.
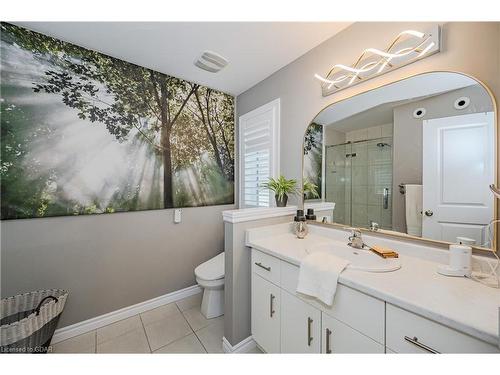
[211, 62]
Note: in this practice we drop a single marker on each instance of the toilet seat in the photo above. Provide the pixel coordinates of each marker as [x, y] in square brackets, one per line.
[212, 269]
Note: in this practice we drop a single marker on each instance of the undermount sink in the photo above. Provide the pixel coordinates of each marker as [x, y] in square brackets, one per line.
[360, 259]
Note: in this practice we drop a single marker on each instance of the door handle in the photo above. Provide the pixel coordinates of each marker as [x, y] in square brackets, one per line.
[429, 213]
[328, 334]
[309, 337]
[415, 342]
[258, 264]
[271, 305]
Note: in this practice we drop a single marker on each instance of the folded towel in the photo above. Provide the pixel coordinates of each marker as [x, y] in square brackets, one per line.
[413, 209]
[318, 275]
[384, 252]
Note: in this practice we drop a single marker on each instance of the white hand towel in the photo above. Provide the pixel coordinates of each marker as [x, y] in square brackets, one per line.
[318, 275]
[413, 208]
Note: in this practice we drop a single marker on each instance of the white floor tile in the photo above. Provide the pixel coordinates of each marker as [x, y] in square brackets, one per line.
[211, 337]
[190, 302]
[162, 312]
[188, 344]
[117, 329]
[196, 319]
[131, 342]
[80, 344]
[165, 331]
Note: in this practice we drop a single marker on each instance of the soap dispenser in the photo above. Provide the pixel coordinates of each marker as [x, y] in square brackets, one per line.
[310, 214]
[300, 225]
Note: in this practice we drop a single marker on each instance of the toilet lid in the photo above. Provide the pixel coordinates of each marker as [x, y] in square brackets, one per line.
[212, 269]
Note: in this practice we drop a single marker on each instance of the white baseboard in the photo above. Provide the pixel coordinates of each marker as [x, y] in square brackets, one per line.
[126, 312]
[242, 347]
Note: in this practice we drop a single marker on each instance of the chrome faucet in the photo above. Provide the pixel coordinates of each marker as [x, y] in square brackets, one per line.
[355, 239]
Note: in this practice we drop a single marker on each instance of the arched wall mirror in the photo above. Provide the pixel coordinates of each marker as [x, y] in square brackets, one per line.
[414, 158]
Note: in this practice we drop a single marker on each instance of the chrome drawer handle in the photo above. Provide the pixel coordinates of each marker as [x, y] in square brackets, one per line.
[328, 334]
[309, 337]
[271, 308]
[262, 266]
[415, 342]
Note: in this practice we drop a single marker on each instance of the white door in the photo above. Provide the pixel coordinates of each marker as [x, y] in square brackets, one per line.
[300, 326]
[266, 314]
[458, 167]
[258, 153]
[337, 337]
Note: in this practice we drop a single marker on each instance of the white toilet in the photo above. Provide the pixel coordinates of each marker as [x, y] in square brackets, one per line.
[210, 276]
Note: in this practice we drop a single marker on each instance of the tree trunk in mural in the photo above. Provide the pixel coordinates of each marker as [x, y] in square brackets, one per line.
[162, 94]
[222, 152]
[136, 105]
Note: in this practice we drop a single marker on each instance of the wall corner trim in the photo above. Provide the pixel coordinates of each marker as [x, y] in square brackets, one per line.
[91, 324]
[243, 346]
[257, 213]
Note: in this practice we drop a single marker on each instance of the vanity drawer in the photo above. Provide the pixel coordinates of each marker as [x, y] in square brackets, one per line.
[266, 266]
[411, 333]
[360, 311]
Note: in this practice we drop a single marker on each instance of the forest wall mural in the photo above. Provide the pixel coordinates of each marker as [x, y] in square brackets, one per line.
[85, 133]
[313, 157]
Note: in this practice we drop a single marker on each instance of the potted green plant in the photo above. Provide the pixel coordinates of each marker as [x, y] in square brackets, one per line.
[310, 190]
[281, 188]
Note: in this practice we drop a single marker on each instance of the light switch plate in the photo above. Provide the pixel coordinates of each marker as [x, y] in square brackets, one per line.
[177, 215]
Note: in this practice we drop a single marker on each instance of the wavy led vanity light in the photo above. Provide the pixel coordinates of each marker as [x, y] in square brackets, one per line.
[407, 47]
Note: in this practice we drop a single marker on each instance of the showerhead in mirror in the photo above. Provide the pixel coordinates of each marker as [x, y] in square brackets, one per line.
[383, 144]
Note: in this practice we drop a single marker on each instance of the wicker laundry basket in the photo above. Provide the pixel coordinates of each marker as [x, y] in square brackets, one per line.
[28, 320]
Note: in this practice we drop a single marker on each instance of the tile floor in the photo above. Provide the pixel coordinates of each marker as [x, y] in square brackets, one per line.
[174, 328]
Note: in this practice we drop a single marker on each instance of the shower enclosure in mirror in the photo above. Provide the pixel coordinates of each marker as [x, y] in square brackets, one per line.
[414, 158]
[359, 179]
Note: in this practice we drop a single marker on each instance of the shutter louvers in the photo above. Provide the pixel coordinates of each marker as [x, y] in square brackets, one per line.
[257, 143]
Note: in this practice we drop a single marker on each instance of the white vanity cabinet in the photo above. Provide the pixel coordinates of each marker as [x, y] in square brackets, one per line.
[338, 337]
[284, 321]
[266, 314]
[411, 333]
[300, 326]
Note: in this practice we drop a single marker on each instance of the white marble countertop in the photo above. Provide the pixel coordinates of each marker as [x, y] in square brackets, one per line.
[457, 302]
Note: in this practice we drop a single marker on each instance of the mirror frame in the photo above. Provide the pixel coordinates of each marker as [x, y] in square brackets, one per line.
[400, 235]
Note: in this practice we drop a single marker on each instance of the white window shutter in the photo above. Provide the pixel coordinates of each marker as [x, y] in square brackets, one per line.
[259, 153]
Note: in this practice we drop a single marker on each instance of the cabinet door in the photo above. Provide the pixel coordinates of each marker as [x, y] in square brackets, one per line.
[300, 326]
[265, 314]
[337, 337]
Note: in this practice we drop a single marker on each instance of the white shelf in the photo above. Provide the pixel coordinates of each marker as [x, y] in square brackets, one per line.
[257, 213]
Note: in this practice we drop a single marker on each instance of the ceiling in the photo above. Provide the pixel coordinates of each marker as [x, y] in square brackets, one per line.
[347, 113]
[255, 50]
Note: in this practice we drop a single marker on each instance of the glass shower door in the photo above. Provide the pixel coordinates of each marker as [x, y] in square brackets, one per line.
[338, 182]
[379, 182]
[359, 181]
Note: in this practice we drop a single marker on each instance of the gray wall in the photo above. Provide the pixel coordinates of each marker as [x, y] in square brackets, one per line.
[472, 48]
[108, 261]
[408, 138]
